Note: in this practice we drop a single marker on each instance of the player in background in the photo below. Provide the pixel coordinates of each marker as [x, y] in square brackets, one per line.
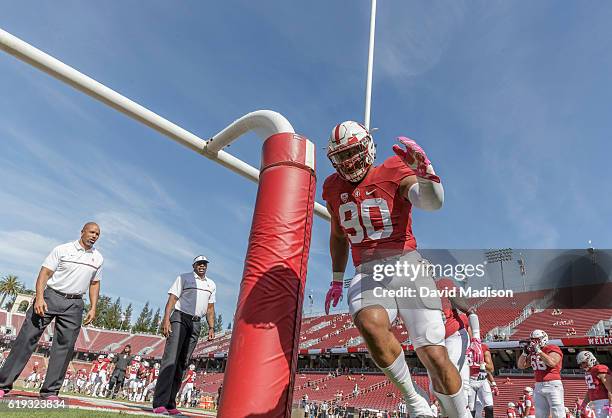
[529, 404]
[511, 411]
[67, 383]
[93, 375]
[133, 377]
[152, 381]
[81, 380]
[101, 379]
[545, 360]
[371, 211]
[520, 407]
[462, 333]
[598, 379]
[31, 379]
[143, 377]
[481, 381]
[188, 382]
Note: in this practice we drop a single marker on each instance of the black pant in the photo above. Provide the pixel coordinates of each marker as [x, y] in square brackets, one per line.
[178, 350]
[116, 379]
[68, 314]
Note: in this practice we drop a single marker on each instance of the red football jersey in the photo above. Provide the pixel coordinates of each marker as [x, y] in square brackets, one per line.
[105, 363]
[511, 413]
[155, 373]
[134, 367]
[589, 412]
[475, 368]
[529, 405]
[35, 368]
[375, 218]
[543, 373]
[191, 376]
[143, 372]
[452, 320]
[520, 407]
[95, 367]
[596, 389]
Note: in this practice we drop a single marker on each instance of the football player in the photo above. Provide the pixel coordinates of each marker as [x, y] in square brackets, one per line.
[93, 375]
[98, 387]
[511, 412]
[482, 385]
[152, 381]
[529, 404]
[371, 213]
[188, 381]
[134, 368]
[545, 360]
[598, 380]
[32, 378]
[81, 380]
[143, 377]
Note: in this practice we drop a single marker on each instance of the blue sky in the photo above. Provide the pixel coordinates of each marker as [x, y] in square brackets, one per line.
[511, 101]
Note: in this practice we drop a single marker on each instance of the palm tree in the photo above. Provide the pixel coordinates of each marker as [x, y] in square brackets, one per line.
[9, 286]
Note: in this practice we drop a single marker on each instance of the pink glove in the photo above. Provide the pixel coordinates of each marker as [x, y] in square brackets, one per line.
[415, 158]
[475, 349]
[333, 294]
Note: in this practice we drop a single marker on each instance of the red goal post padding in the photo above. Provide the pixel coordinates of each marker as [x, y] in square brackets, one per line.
[263, 352]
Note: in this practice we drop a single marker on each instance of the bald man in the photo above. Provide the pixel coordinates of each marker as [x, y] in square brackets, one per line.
[65, 276]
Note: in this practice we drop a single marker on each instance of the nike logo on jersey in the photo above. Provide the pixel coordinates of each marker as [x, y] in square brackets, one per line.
[368, 193]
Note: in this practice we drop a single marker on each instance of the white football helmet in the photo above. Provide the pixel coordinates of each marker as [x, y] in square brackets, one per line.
[101, 357]
[538, 338]
[137, 358]
[111, 355]
[351, 150]
[36, 363]
[156, 365]
[145, 363]
[586, 360]
[511, 405]
[528, 390]
[192, 367]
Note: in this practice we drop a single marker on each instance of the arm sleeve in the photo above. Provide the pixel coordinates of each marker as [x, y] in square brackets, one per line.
[98, 274]
[177, 287]
[475, 325]
[426, 194]
[52, 260]
[213, 295]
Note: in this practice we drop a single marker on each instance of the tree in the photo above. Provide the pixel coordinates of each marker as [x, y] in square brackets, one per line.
[10, 286]
[144, 320]
[113, 319]
[102, 308]
[154, 328]
[127, 318]
[219, 323]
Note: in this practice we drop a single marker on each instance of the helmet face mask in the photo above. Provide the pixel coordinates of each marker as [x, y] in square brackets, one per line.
[192, 367]
[351, 150]
[586, 360]
[538, 338]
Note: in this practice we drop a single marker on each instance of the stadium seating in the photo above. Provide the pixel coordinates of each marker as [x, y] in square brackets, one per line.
[557, 326]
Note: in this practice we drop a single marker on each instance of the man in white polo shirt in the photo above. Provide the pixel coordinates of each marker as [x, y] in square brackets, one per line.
[191, 297]
[66, 274]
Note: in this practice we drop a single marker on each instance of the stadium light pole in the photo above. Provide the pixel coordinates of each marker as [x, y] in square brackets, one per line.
[494, 256]
[368, 92]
